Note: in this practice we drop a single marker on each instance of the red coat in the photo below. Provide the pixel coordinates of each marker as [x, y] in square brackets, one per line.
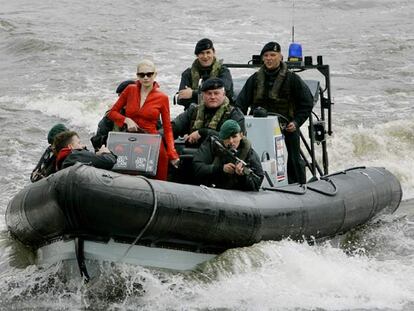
[146, 117]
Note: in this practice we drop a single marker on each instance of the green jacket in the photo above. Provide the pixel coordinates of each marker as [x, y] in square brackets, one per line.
[190, 80]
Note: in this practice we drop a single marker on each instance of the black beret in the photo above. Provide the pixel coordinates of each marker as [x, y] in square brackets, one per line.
[203, 44]
[212, 84]
[122, 86]
[270, 46]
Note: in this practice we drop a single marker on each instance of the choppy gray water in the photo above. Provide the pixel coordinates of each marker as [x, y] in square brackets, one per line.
[61, 62]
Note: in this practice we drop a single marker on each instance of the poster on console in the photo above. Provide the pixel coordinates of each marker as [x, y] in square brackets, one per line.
[280, 158]
[137, 153]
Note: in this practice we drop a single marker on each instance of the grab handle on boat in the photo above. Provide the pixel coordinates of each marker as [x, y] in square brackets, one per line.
[331, 194]
[154, 210]
[345, 171]
[282, 189]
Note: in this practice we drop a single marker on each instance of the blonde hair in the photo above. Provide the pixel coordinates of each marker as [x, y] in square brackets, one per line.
[146, 62]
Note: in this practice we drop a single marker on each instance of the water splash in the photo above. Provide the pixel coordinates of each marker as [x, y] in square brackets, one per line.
[387, 145]
[356, 271]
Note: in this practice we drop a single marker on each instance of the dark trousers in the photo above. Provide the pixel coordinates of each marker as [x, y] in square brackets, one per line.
[295, 165]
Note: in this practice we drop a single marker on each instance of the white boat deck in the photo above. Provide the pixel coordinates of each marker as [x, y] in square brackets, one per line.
[115, 252]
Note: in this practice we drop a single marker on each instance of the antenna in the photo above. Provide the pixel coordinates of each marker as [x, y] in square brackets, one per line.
[295, 49]
[293, 20]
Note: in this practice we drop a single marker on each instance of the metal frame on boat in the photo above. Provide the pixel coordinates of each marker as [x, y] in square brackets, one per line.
[322, 126]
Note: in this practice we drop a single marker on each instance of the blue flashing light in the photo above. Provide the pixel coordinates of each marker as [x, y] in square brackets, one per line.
[295, 52]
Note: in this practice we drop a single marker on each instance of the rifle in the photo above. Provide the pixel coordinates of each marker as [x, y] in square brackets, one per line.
[230, 153]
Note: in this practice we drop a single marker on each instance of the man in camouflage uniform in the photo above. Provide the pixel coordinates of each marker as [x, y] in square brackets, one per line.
[205, 66]
[199, 121]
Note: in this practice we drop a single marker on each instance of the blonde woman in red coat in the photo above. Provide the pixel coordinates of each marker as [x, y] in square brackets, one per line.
[144, 103]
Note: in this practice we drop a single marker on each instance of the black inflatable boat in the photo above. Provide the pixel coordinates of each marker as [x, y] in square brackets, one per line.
[85, 213]
[114, 211]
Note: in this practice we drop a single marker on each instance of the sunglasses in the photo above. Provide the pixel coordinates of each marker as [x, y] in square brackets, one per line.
[143, 74]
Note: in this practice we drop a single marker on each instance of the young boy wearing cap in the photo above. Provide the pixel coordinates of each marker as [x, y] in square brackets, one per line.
[204, 66]
[280, 91]
[69, 150]
[212, 166]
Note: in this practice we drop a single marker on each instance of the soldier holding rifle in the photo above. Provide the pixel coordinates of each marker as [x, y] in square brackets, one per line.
[228, 162]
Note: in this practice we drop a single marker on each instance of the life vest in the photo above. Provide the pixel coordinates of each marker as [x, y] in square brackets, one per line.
[45, 166]
[196, 68]
[199, 117]
[278, 98]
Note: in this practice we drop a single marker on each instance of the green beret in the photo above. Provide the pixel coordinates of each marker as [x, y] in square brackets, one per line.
[229, 128]
[56, 129]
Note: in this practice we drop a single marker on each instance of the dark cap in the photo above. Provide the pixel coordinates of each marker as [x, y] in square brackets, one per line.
[212, 84]
[56, 129]
[203, 44]
[229, 128]
[270, 46]
[122, 86]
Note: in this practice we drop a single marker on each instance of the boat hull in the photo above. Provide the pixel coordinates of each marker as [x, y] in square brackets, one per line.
[99, 205]
[96, 252]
